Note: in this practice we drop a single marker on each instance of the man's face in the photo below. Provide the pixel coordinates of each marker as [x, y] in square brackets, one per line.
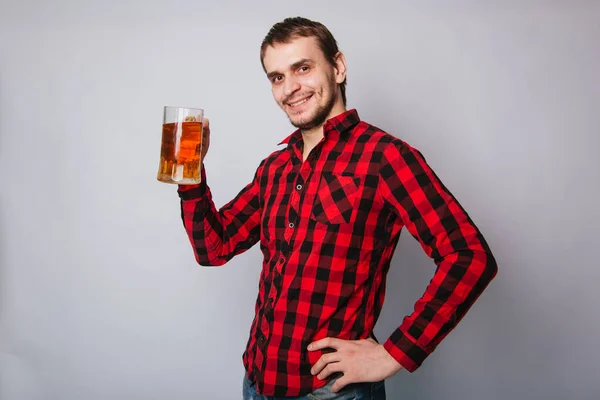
[303, 82]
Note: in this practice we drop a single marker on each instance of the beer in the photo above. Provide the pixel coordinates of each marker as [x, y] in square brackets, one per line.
[180, 152]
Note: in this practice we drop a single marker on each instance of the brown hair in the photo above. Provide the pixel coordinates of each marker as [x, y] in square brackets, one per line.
[291, 28]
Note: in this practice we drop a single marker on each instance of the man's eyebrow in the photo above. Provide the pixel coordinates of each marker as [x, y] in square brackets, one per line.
[295, 65]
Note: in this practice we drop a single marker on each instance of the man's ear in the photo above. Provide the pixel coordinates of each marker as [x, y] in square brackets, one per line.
[340, 67]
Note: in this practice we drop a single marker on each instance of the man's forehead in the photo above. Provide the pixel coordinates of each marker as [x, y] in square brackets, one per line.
[283, 55]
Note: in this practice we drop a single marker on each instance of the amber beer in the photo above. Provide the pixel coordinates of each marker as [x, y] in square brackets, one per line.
[181, 146]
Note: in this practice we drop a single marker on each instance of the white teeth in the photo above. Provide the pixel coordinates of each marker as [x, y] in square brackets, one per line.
[299, 103]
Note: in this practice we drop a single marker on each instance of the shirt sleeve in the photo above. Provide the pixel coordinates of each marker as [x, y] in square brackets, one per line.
[217, 236]
[465, 264]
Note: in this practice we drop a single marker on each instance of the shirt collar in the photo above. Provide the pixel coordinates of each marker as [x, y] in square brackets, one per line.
[342, 123]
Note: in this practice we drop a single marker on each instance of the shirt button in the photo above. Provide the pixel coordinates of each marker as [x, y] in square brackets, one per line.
[291, 225]
[281, 260]
[298, 187]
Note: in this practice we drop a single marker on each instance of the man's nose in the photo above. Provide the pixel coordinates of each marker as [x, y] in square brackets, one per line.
[290, 86]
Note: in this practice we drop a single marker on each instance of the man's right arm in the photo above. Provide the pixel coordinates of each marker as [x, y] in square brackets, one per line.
[217, 236]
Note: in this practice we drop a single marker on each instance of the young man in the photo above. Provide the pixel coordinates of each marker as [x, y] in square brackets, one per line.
[327, 210]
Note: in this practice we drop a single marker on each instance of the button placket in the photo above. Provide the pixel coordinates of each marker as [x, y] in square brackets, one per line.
[293, 211]
[265, 330]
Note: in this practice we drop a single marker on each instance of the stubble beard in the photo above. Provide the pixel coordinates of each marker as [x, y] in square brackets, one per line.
[320, 114]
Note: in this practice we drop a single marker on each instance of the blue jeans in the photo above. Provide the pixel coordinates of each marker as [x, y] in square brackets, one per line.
[356, 391]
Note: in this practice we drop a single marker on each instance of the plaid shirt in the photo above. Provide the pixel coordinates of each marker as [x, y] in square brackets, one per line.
[328, 228]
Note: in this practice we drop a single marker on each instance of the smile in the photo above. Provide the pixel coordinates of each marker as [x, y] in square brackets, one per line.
[299, 103]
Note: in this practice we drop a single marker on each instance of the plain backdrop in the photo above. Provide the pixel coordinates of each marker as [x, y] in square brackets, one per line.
[100, 296]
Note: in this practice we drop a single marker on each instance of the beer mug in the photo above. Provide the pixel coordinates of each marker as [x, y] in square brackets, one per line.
[181, 146]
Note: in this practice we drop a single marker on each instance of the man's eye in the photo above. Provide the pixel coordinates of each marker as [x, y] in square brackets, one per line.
[304, 68]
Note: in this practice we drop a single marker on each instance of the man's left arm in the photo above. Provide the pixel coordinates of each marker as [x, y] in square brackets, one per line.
[465, 266]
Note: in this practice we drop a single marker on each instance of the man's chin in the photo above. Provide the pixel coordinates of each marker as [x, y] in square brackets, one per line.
[309, 119]
[305, 126]
[302, 123]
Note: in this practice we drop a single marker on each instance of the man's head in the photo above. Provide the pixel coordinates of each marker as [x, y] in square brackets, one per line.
[306, 70]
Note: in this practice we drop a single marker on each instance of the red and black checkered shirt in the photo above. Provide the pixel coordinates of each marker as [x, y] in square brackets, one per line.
[328, 228]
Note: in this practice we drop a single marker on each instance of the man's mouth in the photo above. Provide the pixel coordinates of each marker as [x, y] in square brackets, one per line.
[299, 102]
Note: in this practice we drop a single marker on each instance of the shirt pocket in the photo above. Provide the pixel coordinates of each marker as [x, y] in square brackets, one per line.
[336, 198]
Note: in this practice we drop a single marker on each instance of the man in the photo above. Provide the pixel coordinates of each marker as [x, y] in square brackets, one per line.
[327, 210]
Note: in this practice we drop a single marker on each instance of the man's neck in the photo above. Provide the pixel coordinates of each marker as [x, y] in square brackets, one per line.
[312, 137]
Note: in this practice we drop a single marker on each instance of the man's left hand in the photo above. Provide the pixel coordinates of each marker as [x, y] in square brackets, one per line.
[359, 360]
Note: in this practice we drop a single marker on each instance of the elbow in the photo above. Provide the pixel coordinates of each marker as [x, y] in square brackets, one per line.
[209, 264]
[206, 261]
[208, 257]
[490, 268]
[482, 265]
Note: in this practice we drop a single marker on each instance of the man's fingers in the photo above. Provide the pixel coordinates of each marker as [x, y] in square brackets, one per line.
[205, 136]
[324, 361]
[330, 369]
[205, 129]
[334, 343]
[340, 383]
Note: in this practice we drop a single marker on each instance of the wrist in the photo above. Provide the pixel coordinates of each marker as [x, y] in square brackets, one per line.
[392, 366]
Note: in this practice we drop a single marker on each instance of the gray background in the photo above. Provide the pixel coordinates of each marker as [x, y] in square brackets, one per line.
[100, 296]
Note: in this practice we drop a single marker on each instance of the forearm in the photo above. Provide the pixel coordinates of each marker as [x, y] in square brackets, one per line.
[460, 279]
[218, 235]
[206, 242]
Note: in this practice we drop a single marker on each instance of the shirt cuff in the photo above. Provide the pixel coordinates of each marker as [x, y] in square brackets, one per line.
[191, 192]
[405, 351]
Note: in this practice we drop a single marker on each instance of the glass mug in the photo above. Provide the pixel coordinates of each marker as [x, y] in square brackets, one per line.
[181, 146]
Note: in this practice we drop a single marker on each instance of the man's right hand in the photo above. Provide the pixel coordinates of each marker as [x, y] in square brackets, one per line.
[205, 137]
